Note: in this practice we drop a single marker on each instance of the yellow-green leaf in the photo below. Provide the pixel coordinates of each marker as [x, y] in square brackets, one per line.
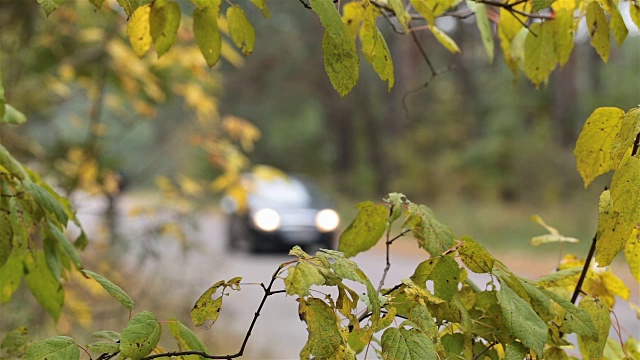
[444, 39]
[53, 348]
[521, 321]
[541, 5]
[475, 257]
[323, 327]
[138, 30]
[301, 277]
[12, 115]
[632, 254]
[563, 33]
[43, 285]
[482, 21]
[592, 347]
[114, 290]
[618, 26]
[612, 231]
[10, 276]
[186, 339]
[365, 230]
[262, 5]
[164, 22]
[595, 142]
[50, 6]
[6, 238]
[140, 336]
[401, 13]
[626, 136]
[598, 29]
[423, 8]
[341, 61]
[539, 52]
[553, 236]
[97, 3]
[240, 29]
[375, 50]
[207, 308]
[205, 30]
[634, 10]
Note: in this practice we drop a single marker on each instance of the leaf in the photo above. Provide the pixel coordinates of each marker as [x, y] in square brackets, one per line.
[576, 320]
[376, 51]
[598, 29]
[138, 30]
[444, 40]
[53, 348]
[50, 6]
[11, 274]
[365, 230]
[631, 254]
[563, 34]
[107, 335]
[515, 351]
[541, 5]
[47, 200]
[445, 276]
[66, 245]
[11, 165]
[618, 26]
[341, 61]
[240, 29]
[186, 339]
[140, 336]
[431, 234]
[97, 3]
[554, 235]
[539, 53]
[3, 100]
[207, 308]
[592, 347]
[475, 257]
[104, 347]
[482, 21]
[43, 285]
[114, 290]
[624, 139]
[16, 342]
[12, 116]
[595, 143]
[557, 277]
[6, 238]
[625, 196]
[205, 30]
[322, 324]
[401, 13]
[407, 344]
[423, 271]
[521, 321]
[634, 10]
[420, 315]
[262, 5]
[164, 21]
[301, 277]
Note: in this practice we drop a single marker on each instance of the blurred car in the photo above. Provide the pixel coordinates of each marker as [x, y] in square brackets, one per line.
[282, 211]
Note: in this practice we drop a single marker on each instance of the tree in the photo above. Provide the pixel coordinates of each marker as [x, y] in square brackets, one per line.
[512, 318]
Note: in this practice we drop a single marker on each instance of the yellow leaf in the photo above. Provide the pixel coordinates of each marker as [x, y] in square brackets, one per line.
[634, 10]
[539, 52]
[598, 29]
[623, 142]
[138, 30]
[261, 4]
[615, 286]
[189, 186]
[632, 253]
[445, 40]
[618, 26]
[564, 26]
[352, 16]
[593, 347]
[594, 145]
[612, 231]
[423, 8]
[375, 50]
[240, 29]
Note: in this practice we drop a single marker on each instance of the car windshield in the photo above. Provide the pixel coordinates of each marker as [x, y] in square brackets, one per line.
[281, 192]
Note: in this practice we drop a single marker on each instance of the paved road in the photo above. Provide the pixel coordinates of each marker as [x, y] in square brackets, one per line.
[279, 334]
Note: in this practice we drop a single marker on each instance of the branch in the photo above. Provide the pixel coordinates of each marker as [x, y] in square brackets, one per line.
[267, 292]
[583, 275]
[485, 350]
[636, 145]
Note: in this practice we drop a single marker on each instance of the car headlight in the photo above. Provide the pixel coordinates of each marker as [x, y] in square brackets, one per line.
[327, 220]
[267, 219]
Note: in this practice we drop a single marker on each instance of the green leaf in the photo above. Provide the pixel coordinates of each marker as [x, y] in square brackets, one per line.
[592, 347]
[521, 321]
[241, 30]
[598, 29]
[16, 342]
[515, 351]
[43, 285]
[618, 26]
[629, 129]
[323, 326]
[375, 50]
[11, 274]
[6, 238]
[107, 335]
[66, 245]
[541, 5]
[11, 165]
[431, 234]
[52, 256]
[341, 61]
[53, 348]
[114, 290]
[12, 116]
[475, 257]
[407, 344]
[420, 315]
[365, 230]
[207, 308]
[564, 27]
[595, 142]
[554, 278]
[445, 276]
[576, 320]
[444, 40]
[262, 5]
[47, 200]
[138, 30]
[540, 54]
[613, 231]
[186, 339]
[104, 347]
[164, 21]
[50, 6]
[555, 353]
[482, 21]
[423, 271]
[205, 30]
[301, 277]
[140, 337]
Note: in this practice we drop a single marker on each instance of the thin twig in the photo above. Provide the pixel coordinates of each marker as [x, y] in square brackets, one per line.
[585, 269]
[485, 350]
[636, 145]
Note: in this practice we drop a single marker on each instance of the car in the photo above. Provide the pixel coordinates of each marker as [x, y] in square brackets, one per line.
[282, 211]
